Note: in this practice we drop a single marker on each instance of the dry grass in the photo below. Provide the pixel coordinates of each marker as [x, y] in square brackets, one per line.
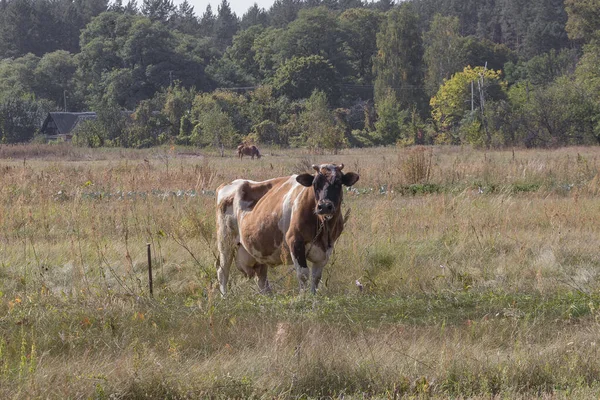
[479, 273]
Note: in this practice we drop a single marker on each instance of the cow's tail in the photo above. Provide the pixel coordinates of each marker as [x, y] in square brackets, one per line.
[257, 153]
[226, 238]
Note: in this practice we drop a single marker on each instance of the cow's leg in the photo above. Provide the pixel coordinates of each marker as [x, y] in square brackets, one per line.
[245, 262]
[298, 250]
[263, 282]
[316, 272]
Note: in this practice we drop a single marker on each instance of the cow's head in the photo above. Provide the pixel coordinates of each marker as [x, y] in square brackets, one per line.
[327, 183]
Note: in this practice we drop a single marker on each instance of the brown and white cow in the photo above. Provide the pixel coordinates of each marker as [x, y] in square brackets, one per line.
[294, 218]
[244, 150]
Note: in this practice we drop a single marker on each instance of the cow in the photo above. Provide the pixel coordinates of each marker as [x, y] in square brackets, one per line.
[294, 218]
[245, 150]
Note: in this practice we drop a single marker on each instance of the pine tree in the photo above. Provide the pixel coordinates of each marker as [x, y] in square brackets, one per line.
[184, 19]
[207, 23]
[443, 52]
[226, 25]
[254, 16]
[282, 12]
[398, 65]
[158, 10]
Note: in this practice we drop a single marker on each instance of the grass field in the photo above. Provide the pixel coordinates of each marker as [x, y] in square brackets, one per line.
[480, 275]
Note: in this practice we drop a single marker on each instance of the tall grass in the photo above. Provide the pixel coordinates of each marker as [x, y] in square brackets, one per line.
[478, 273]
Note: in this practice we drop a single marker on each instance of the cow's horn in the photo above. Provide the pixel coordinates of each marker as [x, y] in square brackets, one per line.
[316, 167]
[341, 167]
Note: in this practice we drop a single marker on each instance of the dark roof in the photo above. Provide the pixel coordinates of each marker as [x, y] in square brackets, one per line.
[66, 121]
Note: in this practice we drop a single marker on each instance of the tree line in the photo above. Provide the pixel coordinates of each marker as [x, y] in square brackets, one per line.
[323, 74]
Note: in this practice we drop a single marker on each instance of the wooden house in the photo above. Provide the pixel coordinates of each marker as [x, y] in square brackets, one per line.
[60, 125]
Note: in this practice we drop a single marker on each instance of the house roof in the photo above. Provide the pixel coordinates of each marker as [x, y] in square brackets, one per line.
[66, 121]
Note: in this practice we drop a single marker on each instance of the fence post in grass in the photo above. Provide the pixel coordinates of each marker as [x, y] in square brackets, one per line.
[150, 270]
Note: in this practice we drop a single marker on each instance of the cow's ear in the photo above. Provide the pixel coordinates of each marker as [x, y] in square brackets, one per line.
[350, 178]
[305, 179]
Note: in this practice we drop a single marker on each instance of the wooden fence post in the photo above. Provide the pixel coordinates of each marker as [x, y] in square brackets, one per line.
[150, 270]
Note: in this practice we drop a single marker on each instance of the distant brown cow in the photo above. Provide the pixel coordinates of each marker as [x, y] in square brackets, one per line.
[244, 150]
[295, 218]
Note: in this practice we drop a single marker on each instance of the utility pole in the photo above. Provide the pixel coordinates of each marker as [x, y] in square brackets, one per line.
[472, 102]
[65, 99]
[480, 83]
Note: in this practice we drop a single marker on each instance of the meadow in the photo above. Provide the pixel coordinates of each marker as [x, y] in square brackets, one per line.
[461, 273]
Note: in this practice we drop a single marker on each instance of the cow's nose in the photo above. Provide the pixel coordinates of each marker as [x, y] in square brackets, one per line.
[325, 208]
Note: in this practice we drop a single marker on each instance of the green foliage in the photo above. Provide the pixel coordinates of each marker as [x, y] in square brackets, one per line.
[398, 63]
[263, 105]
[19, 119]
[542, 69]
[300, 76]
[584, 19]
[109, 129]
[527, 27]
[17, 77]
[443, 51]
[54, 77]
[89, 134]
[212, 124]
[254, 16]
[226, 25]
[387, 127]
[560, 114]
[316, 32]
[177, 105]
[451, 106]
[360, 27]
[227, 73]
[184, 20]
[267, 132]
[282, 12]
[147, 128]
[319, 130]
[44, 26]
[243, 53]
[127, 58]
[158, 10]
[89, 54]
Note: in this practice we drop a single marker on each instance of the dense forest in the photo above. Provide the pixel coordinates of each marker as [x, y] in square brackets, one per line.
[322, 74]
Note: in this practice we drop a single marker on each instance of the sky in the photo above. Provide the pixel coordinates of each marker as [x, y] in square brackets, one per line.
[237, 6]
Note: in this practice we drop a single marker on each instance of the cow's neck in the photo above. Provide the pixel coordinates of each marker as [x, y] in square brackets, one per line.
[327, 229]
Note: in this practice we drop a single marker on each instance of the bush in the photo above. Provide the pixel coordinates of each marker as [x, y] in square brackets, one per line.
[416, 167]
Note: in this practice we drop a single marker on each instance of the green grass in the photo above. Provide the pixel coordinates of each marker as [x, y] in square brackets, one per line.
[458, 344]
[466, 293]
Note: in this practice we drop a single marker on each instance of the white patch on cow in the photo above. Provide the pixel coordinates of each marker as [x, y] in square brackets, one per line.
[315, 254]
[329, 170]
[232, 188]
[301, 272]
[297, 199]
[287, 205]
[228, 190]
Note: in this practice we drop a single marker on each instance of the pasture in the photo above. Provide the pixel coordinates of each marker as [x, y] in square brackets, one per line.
[479, 274]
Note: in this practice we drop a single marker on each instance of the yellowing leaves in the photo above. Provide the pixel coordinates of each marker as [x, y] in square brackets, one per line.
[453, 98]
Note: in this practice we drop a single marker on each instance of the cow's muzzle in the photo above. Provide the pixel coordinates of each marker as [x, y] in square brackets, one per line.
[325, 208]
